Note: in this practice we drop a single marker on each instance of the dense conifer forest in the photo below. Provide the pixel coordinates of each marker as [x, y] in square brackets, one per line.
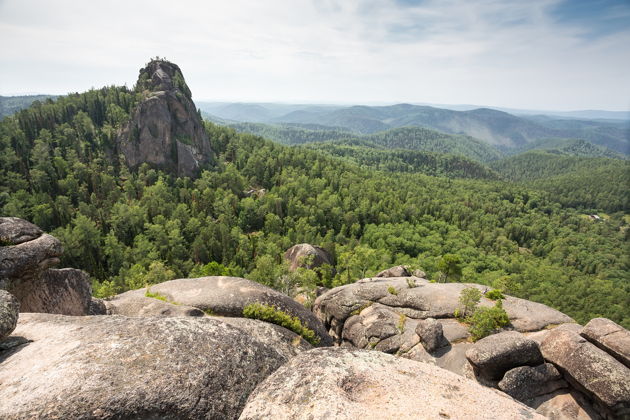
[448, 215]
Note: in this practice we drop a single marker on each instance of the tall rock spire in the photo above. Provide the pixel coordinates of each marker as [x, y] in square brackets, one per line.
[165, 129]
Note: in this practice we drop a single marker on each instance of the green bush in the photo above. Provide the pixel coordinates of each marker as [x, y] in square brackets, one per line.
[213, 268]
[392, 290]
[495, 294]
[276, 316]
[486, 321]
[468, 299]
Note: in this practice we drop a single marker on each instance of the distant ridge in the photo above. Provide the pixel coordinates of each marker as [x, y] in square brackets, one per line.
[495, 127]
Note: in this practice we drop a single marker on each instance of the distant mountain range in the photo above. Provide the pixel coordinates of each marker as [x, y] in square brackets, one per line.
[507, 133]
[500, 129]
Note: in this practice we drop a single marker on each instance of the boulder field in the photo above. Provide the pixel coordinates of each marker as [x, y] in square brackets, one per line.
[387, 347]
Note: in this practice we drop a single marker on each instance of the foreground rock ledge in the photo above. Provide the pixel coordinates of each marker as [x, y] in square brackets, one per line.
[113, 367]
[336, 383]
[218, 295]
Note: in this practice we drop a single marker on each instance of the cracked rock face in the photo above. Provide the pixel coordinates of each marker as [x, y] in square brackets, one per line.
[610, 337]
[590, 370]
[9, 308]
[165, 129]
[114, 367]
[26, 256]
[25, 251]
[336, 383]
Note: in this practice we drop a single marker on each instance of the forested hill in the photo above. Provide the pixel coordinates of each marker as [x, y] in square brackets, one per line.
[399, 160]
[409, 138]
[580, 182]
[573, 147]
[59, 168]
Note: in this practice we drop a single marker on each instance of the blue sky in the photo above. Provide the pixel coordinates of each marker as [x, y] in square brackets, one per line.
[537, 54]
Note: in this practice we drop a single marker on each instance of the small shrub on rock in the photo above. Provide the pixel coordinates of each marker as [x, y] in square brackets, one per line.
[276, 316]
[468, 299]
[486, 321]
[392, 290]
[495, 294]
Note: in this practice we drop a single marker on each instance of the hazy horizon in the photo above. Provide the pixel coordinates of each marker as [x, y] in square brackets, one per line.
[542, 55]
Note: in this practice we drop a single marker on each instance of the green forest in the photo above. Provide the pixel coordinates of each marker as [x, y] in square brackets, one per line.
[448, 215]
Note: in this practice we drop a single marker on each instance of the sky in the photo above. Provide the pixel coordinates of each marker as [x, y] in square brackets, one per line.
[527, 54]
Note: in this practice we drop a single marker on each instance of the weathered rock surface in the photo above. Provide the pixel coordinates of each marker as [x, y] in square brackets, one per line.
[398, 271]
[9, 309]
[113, 367]
[306, 255]
[25, 261]
[14, 231]
[66, 291]
[431, 334]
[420, 301]
[564, 404]
[539, 336]
[133, 303]
[223, 296]
[494, 355]
[97, 307]
[610, 337]
[526, 382]
[165, 129]
[285, 342]
[590, 370]
[337, 383]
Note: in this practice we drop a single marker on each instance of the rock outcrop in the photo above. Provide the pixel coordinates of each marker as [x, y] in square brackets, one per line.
[526, 382]
[590, 370]
[113, 367]
[431, 334]
[610, 337]
[306, 255]
[419, 299]
[216, 295]
[9, 308]
[25, 260]
[165, 130]
[25, 252]
[397, 271]
[494, 355]
[415, 319]
[342, 384]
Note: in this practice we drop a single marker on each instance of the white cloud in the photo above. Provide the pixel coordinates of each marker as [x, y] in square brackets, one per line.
[502, 53]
